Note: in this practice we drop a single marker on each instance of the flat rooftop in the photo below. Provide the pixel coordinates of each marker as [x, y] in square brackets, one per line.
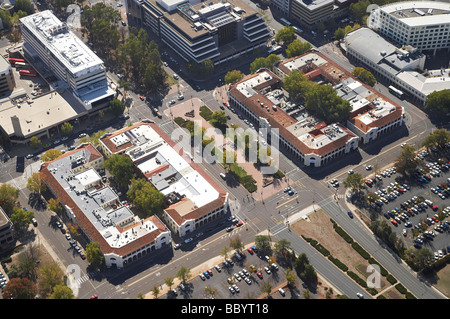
[99, 205]
[415, 13]
[62, 43]
[39, 113]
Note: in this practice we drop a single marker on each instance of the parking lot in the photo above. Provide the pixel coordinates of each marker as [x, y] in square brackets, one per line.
[235, 273]
[418, 208]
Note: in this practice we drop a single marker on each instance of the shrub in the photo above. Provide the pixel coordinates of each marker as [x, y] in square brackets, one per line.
[409, 295]
[338, 263]
[205, 112]
[401, 288]
[356, 278]
[391, 279]
[360, 250]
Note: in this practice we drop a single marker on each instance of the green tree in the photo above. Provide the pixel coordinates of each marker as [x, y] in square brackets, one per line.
[21, 218]
[358, 10]
[282, 247]
[266, 63]
[438, 138]
[184, 274]
[61, 292]
[36, 183]
[297, 47]
[323, 101]
[24, 5]
[300, 263]
[116, 106]
[262, 242]
[8, 197]
[50, 155]
[54, 205]
[285, 36]
[50, 276]
[438, 102]
[297, 85]
[291, 277]
[339, 34]
[266, 287]
[354, 182]
[225, 252]
[93, 254]
[309, 275]
[219, 119]
[155, 291]
[66, 128]
[122, 167]
[236, 244]
[407, 162]
[145, 196]
[35, 142]
[364, 75]
[233, 76]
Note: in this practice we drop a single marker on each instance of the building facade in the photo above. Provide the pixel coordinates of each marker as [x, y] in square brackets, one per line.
[403, 67]
[122, 236]
[193, 199]
[6, 230]
[70, 60]
[424, 25]
[7, 82]
[219, 31]
[311, 12]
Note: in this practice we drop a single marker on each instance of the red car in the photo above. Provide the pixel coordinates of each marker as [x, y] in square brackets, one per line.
[225, 103]
[209, 272]
[259, 274]
[239, 224]
[250, 250]
[141, 97]
[435, 208]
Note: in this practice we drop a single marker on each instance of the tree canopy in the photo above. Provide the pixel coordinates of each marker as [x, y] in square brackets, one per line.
[439, 138]
[354, 182]
[145, 196]
[323, 101]
[267, 63]
[297, 47]
[50, 155]
[116, 106]
[297, 85]
[121, 166]
[233, 76]
[438, 102]
[8, 197]
[407, 162]
[285, 36]
[94, 254]
[364, 75]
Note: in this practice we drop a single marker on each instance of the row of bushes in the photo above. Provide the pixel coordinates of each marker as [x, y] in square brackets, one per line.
[391, 279]
[317, 246]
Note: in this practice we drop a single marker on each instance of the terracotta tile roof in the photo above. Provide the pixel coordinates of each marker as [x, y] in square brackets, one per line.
[83, 220]
[280, 120]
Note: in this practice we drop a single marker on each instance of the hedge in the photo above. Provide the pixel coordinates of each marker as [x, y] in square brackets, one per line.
[372, 291]
[401, 288]
[360, 250]
[356, 278]
[338, 263]
[410, 295]
[391, 279]
[383, 271]
[205, 112]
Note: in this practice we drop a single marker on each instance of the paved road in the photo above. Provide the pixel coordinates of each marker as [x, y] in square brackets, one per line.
[385, 257]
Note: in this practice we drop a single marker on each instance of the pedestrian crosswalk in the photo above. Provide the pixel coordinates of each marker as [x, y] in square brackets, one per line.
[86, 277]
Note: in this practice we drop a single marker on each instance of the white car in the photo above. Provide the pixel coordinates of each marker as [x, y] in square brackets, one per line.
[281, 291]
[67, 236]
[350, 172]
[359, 295]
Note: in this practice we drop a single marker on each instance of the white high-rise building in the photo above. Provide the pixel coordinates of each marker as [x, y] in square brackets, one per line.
[69, 59]
[423, 24]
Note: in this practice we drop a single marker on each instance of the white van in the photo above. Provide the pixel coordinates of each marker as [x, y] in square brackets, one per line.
[222, 175]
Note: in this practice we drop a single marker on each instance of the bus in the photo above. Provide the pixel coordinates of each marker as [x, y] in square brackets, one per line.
[275, 50]
[396, 92]
[13, 61]
[27, 73]
[297, 30]
[21, 65]
[285, 22]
